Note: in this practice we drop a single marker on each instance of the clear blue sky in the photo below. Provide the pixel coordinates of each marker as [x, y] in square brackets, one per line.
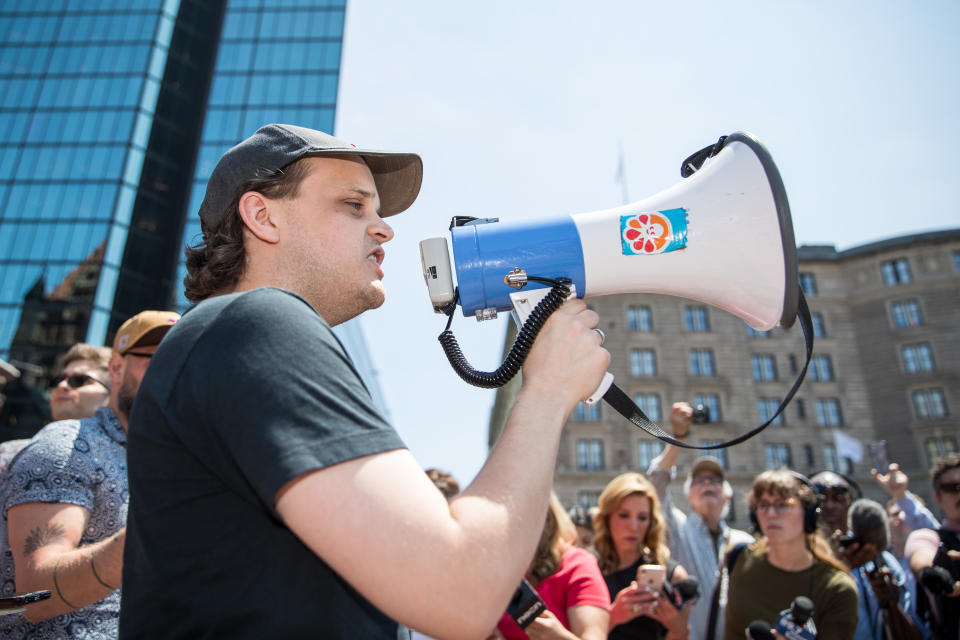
[518, 110]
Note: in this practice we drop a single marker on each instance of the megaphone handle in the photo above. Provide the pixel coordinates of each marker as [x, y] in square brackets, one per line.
[524, 303]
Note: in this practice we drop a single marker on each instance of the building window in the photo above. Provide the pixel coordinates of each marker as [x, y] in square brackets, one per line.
[939, 447]
[587, 412]
[753, 333]
[907, 314]
[766, 407]
[792, 363]
[587, 499]
[764, 367]
[647, 450]
[701, 362]
[649, 403]
[819, 328]
[929, 404]
[719, 454]
[829, 413]
[712, 402]
[696, 319]
[777, 456]
[917, 357]
[832, 462]
[590, 455]
[640, 319]
[896, 272]
[808, 283]
[956, 261]
[801, 408]
[821, 369]
[643, 362]
[808, 455]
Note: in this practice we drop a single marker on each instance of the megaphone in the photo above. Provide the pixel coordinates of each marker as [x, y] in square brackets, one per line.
[722, 236]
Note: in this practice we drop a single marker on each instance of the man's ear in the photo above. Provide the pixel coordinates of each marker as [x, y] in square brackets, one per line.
[115, 367]
[256, 211]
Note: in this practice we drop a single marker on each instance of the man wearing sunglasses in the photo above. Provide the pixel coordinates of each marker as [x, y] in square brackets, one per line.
[64, 499]
[934, 555]
[83, 383]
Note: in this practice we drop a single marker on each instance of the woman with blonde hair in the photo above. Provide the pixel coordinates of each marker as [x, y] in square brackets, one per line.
[568, 581]
[790, 558]
[630, 531]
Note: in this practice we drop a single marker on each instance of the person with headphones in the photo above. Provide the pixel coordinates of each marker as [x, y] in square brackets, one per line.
[790, 558]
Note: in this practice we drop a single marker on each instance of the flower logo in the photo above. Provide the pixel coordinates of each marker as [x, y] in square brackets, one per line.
[647, 232]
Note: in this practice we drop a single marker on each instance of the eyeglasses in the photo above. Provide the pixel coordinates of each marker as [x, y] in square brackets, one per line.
[76, 381]
[779, 508]
[950, 487]
[707, 478]
[836, 493]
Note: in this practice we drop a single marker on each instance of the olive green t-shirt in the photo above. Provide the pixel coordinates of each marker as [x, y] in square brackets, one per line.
[760, 591]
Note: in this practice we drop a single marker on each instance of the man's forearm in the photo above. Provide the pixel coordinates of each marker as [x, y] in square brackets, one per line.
[76, 578]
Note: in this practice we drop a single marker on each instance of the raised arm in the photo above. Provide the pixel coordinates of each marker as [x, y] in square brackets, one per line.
[681, 419]
[44, 540]
[449, 570]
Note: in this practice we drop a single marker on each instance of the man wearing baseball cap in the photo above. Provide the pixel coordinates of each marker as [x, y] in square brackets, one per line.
[268, 496]
[699, 539]
[64, 501]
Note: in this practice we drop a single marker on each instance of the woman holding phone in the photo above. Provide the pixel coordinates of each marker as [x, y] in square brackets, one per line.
[629, 534]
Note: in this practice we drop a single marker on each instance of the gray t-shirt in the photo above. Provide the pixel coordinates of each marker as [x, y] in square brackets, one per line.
[247, 392]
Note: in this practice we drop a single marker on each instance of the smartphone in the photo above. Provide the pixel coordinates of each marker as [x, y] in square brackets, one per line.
[525, 605]
[651, 575]
[15, 604]
[879, 457]
[846, 540]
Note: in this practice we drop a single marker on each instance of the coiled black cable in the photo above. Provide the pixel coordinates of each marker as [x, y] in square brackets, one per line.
[521, 346]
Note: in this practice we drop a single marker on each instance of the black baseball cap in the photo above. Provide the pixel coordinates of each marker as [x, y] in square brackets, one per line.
[274, 146]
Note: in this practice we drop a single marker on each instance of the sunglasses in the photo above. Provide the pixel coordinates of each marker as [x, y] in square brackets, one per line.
[76, 381]
[950, 487]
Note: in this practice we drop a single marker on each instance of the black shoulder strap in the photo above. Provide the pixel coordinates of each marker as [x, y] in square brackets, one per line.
[626, 407]
[731, 560]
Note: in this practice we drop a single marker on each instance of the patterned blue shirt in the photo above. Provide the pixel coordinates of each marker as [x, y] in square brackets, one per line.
[81, 462]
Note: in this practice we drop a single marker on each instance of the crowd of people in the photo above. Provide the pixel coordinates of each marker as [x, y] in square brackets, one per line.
[244, 485]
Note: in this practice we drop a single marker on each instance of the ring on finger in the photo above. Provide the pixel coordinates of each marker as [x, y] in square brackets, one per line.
[603, 336]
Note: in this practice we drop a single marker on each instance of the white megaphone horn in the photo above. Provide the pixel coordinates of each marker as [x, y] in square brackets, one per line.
[722, 236]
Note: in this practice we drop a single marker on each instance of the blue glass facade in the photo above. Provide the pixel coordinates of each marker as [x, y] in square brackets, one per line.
[79, 87]
[112, 115]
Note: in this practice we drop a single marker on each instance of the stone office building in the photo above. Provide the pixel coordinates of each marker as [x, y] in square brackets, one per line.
[885, 367]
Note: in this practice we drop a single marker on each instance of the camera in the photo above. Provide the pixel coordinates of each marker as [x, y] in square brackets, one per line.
[701, 414]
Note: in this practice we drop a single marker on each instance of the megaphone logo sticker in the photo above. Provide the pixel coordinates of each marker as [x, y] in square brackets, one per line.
[649, 233]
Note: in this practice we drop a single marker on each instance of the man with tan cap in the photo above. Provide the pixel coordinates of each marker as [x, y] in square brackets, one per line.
[268, 497]
[698, 540]
[64, 505]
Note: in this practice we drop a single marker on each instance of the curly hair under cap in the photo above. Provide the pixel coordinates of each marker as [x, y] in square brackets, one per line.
[654, 548]
[216, 263]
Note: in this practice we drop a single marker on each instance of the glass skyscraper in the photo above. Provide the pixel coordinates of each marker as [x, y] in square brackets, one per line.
[112, 115]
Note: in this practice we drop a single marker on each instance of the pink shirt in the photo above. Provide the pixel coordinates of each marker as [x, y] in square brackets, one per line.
[926, 538]
[577, 582]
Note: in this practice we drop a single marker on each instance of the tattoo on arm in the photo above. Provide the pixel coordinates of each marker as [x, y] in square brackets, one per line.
[43, 536]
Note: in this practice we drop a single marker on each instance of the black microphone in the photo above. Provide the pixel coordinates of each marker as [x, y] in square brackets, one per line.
[525, 605]
[937, 580]
[867, 523]
[795, 623]
[759, 630]
[681, 593]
